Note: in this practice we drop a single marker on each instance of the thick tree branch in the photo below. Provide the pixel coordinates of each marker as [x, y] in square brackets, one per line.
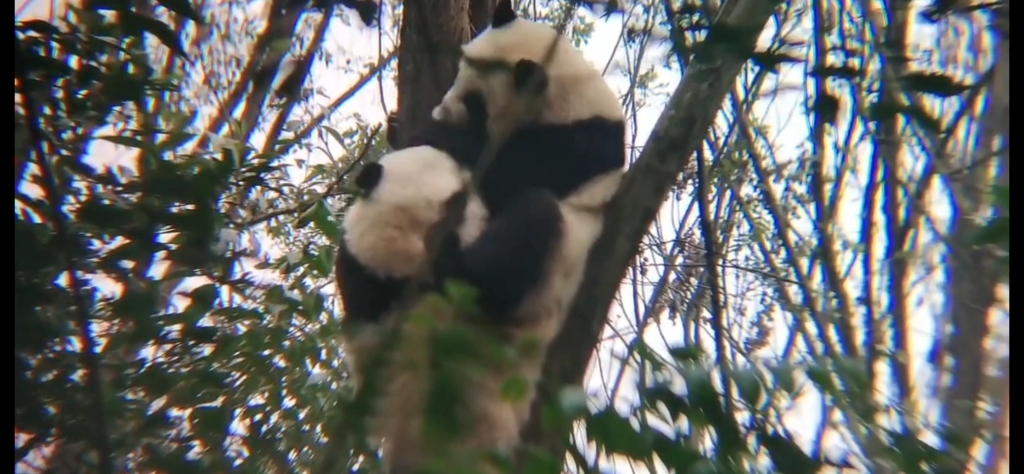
[677, 134]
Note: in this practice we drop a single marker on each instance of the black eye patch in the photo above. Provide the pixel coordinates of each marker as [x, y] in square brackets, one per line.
[369, 177]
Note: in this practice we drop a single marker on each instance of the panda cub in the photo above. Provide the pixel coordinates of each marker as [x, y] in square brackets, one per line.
[405, 194]
[580, 133]
[547, 188]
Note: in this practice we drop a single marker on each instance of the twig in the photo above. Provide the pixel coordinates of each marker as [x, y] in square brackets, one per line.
[304, 206]
[711, 266]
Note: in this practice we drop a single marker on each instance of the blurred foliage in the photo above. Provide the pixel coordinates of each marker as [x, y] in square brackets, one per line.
[151, 337]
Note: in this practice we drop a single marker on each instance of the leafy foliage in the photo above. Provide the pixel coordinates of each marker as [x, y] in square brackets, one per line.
[155, 334]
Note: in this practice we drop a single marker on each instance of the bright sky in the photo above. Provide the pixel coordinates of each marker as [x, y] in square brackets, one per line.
[784, 115]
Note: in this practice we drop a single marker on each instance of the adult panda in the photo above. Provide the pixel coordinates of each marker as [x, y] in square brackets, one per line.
[547, 186]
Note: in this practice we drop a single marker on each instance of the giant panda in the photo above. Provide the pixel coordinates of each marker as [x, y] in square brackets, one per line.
[580, 133]
[403, 196]
[548, 185]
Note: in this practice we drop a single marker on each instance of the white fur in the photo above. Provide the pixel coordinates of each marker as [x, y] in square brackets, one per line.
[576, 90]
[385, 230]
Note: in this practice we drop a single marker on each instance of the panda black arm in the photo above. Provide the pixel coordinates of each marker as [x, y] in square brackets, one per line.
[366, 297]
[508, 259]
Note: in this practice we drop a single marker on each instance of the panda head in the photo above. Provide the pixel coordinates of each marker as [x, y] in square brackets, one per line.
[402, 196]
[509, 56]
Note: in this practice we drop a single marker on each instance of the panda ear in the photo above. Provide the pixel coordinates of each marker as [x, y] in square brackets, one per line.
[503, 14]
[369, 176]
[527, 73]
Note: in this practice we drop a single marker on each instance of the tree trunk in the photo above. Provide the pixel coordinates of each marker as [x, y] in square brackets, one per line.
[428, 59]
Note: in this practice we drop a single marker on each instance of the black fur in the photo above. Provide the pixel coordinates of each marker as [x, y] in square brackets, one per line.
[369, 177]
[466, 142]
[557, 158]
[525, 71]
[535, 168]
[508, 258]
[503, 14]
[366, 296]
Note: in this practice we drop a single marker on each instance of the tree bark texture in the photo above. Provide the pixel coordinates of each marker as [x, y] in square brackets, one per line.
[431, 34]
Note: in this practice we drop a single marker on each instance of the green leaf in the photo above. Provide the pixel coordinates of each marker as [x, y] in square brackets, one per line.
[1001, 195]
[784, 377]
[686, 353]
[203, 297]
[841, 72]
[334, 134]
[924, 118]
[462, 296]
[324, 222]
[38, 26]
[322, 263]
[613, 432]
[822, 377]
[699, 389]
[137, 23]
[677, 455]
[996, 231]
[211, 422]
[100, 5]
[854, 374]
[772, 60]
[787, 457]
[305, 218]
[675, 404]
[515, 389]
[749, 386]
[183, 8]
[173, 140]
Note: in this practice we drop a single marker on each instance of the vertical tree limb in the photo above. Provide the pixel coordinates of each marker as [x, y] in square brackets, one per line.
[431, 35]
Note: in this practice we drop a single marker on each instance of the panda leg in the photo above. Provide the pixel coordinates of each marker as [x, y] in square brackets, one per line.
[507, 260]
[366, 296]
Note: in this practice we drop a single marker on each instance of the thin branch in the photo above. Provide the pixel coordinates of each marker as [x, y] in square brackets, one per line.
[711, 258]
[257, 60]
[326, 112]
[306, 205]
